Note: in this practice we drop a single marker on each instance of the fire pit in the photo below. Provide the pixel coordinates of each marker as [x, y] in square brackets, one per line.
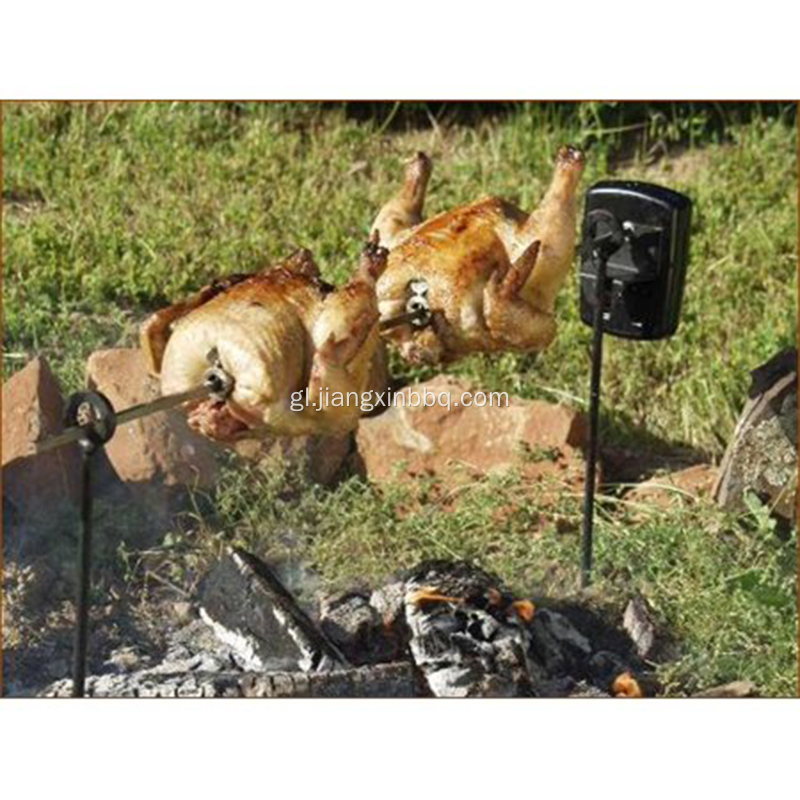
[442, 629]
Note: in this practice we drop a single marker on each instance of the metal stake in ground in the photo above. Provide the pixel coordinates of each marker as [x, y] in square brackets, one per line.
[93, 414]
[91, 422]
[594, 418]
[603, 237]
[635, 251]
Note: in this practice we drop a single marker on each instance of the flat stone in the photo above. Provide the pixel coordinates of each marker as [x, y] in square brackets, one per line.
[36, 488]
[540, 439]
[691, 483]
[730, 690]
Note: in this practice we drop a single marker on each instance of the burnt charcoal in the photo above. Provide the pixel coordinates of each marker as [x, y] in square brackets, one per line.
[356, 628]
[379, 680]
[556, 687]
[459, 633]
[467, 646]
[558, 645]
[459, 579]
[604, 667]
[250, 610]
[639, 625]
[389, 602]
[149, 684]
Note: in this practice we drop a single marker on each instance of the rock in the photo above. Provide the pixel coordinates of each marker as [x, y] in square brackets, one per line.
[639, 625]
[156, 451]
[37, 489]
[356, 628]
[320, 457]
[733, 689]
[249, 610]
[762, 454]
[691, 483]
[540, 439]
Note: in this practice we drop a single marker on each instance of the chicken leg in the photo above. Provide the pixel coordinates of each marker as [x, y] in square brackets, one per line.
[404, 210]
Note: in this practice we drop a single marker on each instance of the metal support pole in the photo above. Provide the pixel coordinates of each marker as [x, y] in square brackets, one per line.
[594, 416]
[92, 421]
[84, 572]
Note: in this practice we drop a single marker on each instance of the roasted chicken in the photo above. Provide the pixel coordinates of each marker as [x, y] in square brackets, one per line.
[489, 271]
[277, 333]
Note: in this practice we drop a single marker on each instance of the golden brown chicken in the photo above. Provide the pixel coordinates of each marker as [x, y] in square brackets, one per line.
[489, 272]
[277, 333]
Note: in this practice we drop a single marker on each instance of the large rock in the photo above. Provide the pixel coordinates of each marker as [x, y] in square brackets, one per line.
[157, 450]
[540, 439]
[762, 454]
[35, 487]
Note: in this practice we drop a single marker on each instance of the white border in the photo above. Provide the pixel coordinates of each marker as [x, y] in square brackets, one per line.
[405, 748]
[358, 49]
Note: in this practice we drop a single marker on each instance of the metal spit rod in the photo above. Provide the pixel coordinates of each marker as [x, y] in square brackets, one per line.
[216, 382]
[74, 434]
[411, 317]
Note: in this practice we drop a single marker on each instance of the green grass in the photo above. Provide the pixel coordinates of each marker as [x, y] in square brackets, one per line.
[114, 210]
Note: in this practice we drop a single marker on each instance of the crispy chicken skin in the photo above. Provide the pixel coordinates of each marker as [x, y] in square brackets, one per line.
[275, 332]
[493, 271]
